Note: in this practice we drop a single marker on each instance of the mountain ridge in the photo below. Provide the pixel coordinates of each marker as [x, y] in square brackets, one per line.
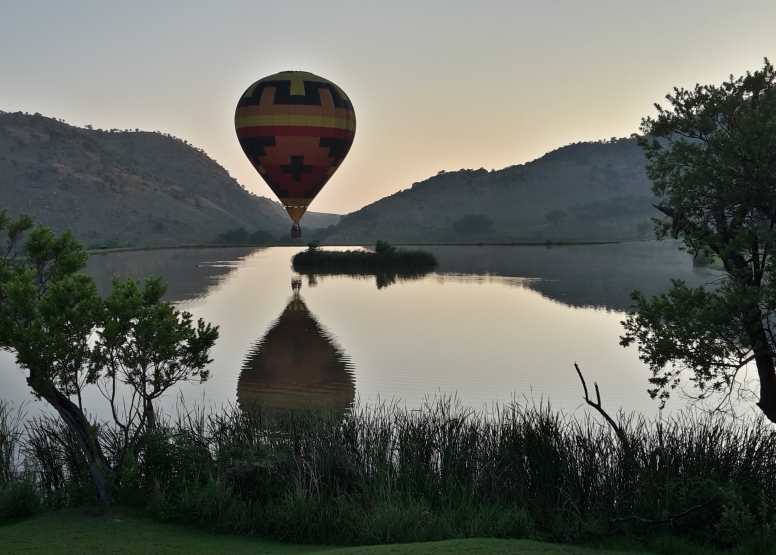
[126, 188]
[592, 191]
[139, 188]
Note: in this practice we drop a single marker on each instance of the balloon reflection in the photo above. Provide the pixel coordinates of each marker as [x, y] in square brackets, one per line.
[296, 366]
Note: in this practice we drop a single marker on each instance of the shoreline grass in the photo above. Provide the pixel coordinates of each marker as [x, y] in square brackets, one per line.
[387, 475]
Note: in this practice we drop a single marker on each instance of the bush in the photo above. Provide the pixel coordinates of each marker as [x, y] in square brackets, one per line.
[386, 256]
[18, 500]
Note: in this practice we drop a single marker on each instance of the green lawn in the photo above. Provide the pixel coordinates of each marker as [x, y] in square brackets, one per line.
[118, 533]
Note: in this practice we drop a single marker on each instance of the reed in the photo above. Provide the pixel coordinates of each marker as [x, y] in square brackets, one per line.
[384, 474]
[11, 429]
[18, 497]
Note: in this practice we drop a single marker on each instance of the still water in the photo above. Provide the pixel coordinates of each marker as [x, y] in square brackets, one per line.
[492, 323]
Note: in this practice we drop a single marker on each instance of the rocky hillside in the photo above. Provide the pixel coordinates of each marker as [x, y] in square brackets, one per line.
[125, 188]
[584, 191]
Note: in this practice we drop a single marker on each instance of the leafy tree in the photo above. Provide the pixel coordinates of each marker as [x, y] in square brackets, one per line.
[712, 161]
[67, 338]
[555, 216]
[384, 248]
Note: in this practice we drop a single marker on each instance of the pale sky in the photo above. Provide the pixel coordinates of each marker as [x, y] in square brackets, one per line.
[436, 85]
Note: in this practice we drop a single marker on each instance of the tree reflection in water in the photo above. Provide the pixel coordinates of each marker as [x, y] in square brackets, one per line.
[297, 365]
[383, 278]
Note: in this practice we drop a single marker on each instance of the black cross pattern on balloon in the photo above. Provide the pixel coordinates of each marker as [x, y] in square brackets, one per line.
[296, 168]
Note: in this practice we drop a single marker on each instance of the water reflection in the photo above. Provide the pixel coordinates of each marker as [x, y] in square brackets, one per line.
[189, 273]
[296, 365]
[383, 278]
[481, 326]
[597, 276]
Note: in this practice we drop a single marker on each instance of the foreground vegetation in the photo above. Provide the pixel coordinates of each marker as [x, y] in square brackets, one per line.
[386, 475]
[384, 257]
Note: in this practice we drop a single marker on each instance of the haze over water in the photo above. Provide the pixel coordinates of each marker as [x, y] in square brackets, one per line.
[491, 324]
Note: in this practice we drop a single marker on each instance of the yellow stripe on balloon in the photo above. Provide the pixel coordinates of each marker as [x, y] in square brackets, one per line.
[297, 121]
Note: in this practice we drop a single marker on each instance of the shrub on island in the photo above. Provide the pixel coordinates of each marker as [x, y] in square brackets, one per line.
[384, 256]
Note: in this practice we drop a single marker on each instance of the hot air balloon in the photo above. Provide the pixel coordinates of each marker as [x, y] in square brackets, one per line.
[295, 128]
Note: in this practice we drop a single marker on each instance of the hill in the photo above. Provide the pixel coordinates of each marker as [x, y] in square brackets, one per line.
[127, 188]
[585, 191]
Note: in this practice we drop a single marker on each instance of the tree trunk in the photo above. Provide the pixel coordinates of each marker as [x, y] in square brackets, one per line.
[766, 372]
[99, 469]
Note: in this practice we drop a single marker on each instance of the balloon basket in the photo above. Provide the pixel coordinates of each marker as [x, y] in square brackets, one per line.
[296, 231]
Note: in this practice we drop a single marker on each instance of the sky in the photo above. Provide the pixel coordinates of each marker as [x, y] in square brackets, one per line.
[436, 85]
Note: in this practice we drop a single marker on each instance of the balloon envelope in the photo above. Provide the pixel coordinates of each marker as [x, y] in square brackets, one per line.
[295, 128]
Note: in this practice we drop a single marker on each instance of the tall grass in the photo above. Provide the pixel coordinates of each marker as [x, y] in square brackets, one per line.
[385, 474]
[18, 497]
[11, 429]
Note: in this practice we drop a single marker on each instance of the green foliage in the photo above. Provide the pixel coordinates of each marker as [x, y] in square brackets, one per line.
[67, 338]
[712, 160]
[473, 224]
[385, 257]
[18, 500]
[384, 248]
[385, 475]
[147, 343]
[703, 329]
[10, 436]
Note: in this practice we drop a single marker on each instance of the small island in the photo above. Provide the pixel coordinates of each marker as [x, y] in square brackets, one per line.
[384, 257]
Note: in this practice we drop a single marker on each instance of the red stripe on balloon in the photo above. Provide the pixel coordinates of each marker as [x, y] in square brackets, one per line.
[295, 131]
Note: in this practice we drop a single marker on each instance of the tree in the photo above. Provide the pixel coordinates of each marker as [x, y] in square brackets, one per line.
[712, 160]
[67, 338]
[384, 248]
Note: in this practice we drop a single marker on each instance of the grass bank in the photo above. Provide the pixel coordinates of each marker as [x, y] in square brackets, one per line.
[117, 532]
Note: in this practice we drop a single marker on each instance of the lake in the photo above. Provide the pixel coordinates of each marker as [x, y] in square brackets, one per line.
[492, 323]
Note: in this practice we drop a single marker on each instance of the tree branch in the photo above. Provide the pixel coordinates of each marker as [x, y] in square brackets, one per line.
[597, 406]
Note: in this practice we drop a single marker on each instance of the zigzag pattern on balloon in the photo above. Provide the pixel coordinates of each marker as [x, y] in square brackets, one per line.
[296, 129]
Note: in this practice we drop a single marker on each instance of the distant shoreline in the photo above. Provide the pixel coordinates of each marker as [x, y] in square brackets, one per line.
[483, 244]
